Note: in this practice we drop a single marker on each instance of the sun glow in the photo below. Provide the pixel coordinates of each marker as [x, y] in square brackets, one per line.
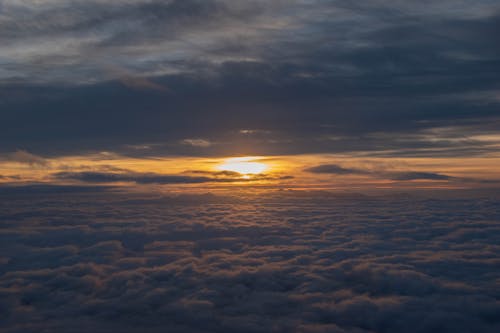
[243, 165]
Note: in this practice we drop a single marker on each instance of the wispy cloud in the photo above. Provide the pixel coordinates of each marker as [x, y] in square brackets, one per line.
[24, 157]
[196, 142]
[335, 169]
[156, 178]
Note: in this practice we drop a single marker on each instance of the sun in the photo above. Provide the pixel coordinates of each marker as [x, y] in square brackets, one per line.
[243, 165]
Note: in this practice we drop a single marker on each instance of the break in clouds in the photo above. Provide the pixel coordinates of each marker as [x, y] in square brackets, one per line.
[82, 259]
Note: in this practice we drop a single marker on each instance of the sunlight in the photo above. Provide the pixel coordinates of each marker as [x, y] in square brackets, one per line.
[243, 165]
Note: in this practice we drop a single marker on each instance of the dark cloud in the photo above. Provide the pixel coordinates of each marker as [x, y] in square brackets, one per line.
[335, 169]
[140, 178]
[420, 175]
[299, 261]
[186, 77]
[155, 178]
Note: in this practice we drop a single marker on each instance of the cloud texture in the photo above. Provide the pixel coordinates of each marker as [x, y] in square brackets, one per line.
[105, 261]
[218, 77]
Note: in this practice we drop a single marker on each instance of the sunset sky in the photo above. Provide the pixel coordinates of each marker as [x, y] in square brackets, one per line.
[250, 166]
[330, 94]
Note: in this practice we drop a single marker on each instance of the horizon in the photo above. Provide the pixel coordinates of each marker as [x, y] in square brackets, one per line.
[213, 166]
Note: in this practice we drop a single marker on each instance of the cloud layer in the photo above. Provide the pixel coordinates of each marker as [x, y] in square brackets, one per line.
[213, 77]
[106, 261]
[156, 178]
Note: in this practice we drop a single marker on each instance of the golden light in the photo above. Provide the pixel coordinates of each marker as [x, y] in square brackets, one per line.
[243, 165]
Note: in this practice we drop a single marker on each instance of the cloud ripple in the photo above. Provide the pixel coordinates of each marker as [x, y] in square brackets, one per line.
[103, 262]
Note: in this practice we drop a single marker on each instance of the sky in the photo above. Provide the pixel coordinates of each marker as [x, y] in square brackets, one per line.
[330, 94]
[253, 166]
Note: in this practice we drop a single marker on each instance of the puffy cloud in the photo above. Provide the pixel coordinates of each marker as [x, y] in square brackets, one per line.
[114, 261]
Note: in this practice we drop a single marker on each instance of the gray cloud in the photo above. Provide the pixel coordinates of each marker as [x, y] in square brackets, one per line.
[140, 178]
[335, 169]
[385, 78]
[156, 178]
[420, 175]
[299, 261]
